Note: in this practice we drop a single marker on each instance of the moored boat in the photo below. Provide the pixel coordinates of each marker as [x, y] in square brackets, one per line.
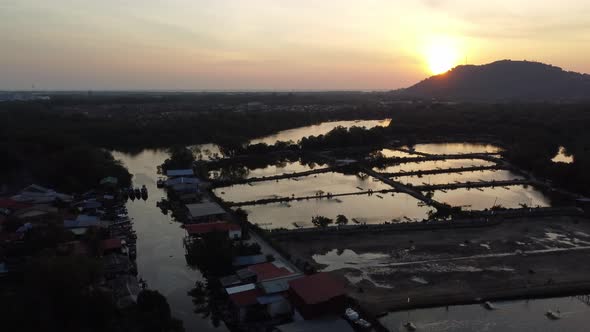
[410, 326]
[553, 314]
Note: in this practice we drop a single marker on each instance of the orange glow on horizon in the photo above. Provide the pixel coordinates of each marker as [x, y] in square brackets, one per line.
[441, 55]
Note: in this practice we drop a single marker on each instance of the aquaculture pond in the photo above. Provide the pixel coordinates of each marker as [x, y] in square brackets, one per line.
[456, 148]
[315, 130]
[563, 157]
[434, 164]
[444, 178]
[271, 170]
[374, 209]
[331, 182]
[485, 198]
[390, 153]
[521, 315]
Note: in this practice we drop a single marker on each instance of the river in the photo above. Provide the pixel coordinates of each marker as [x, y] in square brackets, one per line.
[160, 251]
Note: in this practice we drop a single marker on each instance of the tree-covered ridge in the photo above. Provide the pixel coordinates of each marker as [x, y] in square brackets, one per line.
[504, 80]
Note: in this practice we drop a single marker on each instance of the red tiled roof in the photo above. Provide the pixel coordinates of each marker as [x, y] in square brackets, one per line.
[8, 203]
[266, 271]
[110, 244]
[210, 227]
[246, 298]
[317, 288]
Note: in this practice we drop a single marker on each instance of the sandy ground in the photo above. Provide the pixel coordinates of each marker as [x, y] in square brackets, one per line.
[519, 258]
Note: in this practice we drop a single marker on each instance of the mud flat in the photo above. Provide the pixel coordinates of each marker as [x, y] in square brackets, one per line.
[520, 258]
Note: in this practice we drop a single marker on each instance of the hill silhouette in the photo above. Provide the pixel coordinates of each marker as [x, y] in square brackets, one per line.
[504, 80]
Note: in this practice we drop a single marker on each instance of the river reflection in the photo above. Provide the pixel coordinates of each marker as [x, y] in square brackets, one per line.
[456, 148]
[563, 157]
[160, 252]
[519, 316]
[320, 129]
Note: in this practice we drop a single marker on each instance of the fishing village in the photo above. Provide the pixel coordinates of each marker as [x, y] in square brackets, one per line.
[278, 236]
[318, 269]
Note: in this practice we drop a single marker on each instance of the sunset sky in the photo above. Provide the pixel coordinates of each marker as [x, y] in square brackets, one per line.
[277, 44]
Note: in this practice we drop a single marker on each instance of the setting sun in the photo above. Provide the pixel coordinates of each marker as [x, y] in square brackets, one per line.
[441, 55]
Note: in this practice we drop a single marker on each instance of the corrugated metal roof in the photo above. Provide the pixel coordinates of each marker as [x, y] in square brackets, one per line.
[249, 260]
[182, 180]
[229, 280]
[268, 299]
[266, 271]
[246, 298]
[180, 172]
[278, 285]
[239, 289]
[317, 288]
[204, 209]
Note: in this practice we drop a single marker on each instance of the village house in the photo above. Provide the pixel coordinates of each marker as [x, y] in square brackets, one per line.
[317, 295]
[39, 195]
[268, 297]
[240, 261]
[243, 299]
[233, 231]
[205, 211]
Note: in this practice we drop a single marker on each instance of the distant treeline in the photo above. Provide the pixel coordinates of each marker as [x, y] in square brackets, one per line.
[530, 133]
[35, 135]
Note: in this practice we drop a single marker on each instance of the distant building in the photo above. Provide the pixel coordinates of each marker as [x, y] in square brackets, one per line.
[39, 195]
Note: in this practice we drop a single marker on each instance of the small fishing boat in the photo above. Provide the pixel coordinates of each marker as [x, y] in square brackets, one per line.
[489, 305]
[555, 315]
[410, 326]
[363, 323]
[351, 314]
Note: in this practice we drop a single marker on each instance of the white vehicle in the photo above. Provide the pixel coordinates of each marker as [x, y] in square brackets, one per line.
[351, 314]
